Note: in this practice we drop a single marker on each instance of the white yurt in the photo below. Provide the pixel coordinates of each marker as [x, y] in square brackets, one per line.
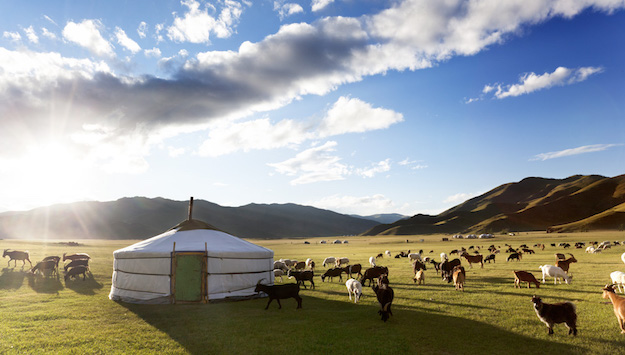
[192, 262]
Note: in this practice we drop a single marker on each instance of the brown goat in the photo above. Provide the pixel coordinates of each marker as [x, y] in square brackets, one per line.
[524, 276]
[564, 263]
[17, 255]
[618, 303]
[459, 276]
[473, 259]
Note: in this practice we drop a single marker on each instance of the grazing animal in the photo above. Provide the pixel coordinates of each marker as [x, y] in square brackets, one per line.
[56, 260]
[447, 268]
[623, 257]
[280, 265]
[329, 261]
[354, 287]
[556, 273]
[75, 271]
[278, 273]
[388, 253]
[489, 258]
[524, 276]
[301, 276]
[473, 259]
[280, 292]
[373, 273]
[372, 261]
[300, 265]
[564, 263]
[414, 257]
[310, 264]
[437, 265]
[334, 272]
[444, 257]
[77, 262]
[45, 268]
[16, 255]
[592, 249]
[528, 251]
[385, 295]
[417, 265]
[618, 279]
[459, 276]
[618, 303]
[550, 314]
[351, 269]
[341, 261]
[513, 256]
[75, 256]
[379, 256]
[419, 277]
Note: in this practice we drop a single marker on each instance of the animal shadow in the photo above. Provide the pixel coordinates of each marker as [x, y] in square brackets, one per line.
[41, 284]
[11, 279]
[88, 286]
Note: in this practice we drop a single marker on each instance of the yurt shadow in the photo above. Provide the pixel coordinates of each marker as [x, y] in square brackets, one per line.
[11, 279]
[42, 284]
[321, 325]
[87, 287]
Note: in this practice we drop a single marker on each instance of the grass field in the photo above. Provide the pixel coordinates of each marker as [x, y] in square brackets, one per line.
[40, 315]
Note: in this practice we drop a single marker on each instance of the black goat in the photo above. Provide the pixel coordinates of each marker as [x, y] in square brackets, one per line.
[75, 271]
[447, 268]
[301, 276]
[280, 292]
[385, 295]
[516, 256]
[351, 269]
[77, 262]
[334, 272]
[490, 257]
[550, 314]
[373, 273]
[46, 268]
[437, 265]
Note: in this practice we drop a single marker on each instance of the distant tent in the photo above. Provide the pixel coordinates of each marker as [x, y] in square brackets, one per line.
[192, 262]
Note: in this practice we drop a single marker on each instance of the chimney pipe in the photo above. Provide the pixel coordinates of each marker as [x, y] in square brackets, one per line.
[191, 208]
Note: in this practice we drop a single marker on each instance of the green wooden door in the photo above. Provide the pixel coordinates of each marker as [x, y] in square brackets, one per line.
[188, 278]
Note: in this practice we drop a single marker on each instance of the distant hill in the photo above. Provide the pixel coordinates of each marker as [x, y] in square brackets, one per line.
[383, 217]
[577, 203]
[140, 218]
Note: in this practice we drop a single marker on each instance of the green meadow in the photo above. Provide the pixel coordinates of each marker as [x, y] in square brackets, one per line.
[49, 315]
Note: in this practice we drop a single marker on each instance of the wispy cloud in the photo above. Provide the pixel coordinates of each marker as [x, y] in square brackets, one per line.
[318, 5]
[574, 151]
[87, 34]
[459, 197]
[363, 205]
[287, 9]
[31, 34]
[125, 41]
[197, 23]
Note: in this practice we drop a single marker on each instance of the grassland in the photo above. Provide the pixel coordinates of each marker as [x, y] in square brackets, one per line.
[40, 315]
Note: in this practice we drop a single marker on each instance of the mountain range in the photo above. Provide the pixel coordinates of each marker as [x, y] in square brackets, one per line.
[577, 203]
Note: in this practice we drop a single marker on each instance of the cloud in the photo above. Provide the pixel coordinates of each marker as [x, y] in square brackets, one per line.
[362, 205]
[13, 36]
[154, 52]
[459, 198]
[87, 34]
[313, 165]
[318, 5]
[347, 115]
[142, 30]
[574, 151]
[531, 82]
[46, 33]
[125, 41]
[50, 20]
[197, 24]
[286, 10]
[380, 167]
[412, 164]
[31, 35]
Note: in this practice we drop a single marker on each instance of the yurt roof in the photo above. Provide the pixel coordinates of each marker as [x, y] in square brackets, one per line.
[194, 235]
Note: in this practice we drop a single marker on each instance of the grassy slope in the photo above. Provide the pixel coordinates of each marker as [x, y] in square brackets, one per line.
[491, 316]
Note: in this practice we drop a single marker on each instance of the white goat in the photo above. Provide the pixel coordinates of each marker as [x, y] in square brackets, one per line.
[354, 287]
[340, 261]
[590, 249]
[309, 262]
[279, 265]
[372, 261]
[623, 257]
[329, 261]
[556, 273]
[444, 257]
[278, 273]
[388, 253]
[618, 278]
[414, 257]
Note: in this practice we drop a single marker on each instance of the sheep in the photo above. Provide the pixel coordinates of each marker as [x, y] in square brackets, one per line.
[77, 262]
[459, 275]
[278, 273]
[373, 273]
[330, 260]
[490, 257]
[618, 279]
[524, 276]
[280, 292]
[16, 255]
[473, 259]
[550, 314]
[414, 257]
[75, 256]
[564, 263]
[354, 287]
[337, 271]
[75, 271]
[385, 295]
[372, 261]
[516, 256]
[556, 273]
[341, 261]
[388, 253]
[618, 303]
[301, 276]
[45, 267]
[419, 277]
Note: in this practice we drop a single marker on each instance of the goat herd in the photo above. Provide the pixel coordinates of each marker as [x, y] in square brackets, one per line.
[450, 271]
[49, 267]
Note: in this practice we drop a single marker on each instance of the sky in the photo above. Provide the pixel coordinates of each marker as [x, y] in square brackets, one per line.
[360, 107]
